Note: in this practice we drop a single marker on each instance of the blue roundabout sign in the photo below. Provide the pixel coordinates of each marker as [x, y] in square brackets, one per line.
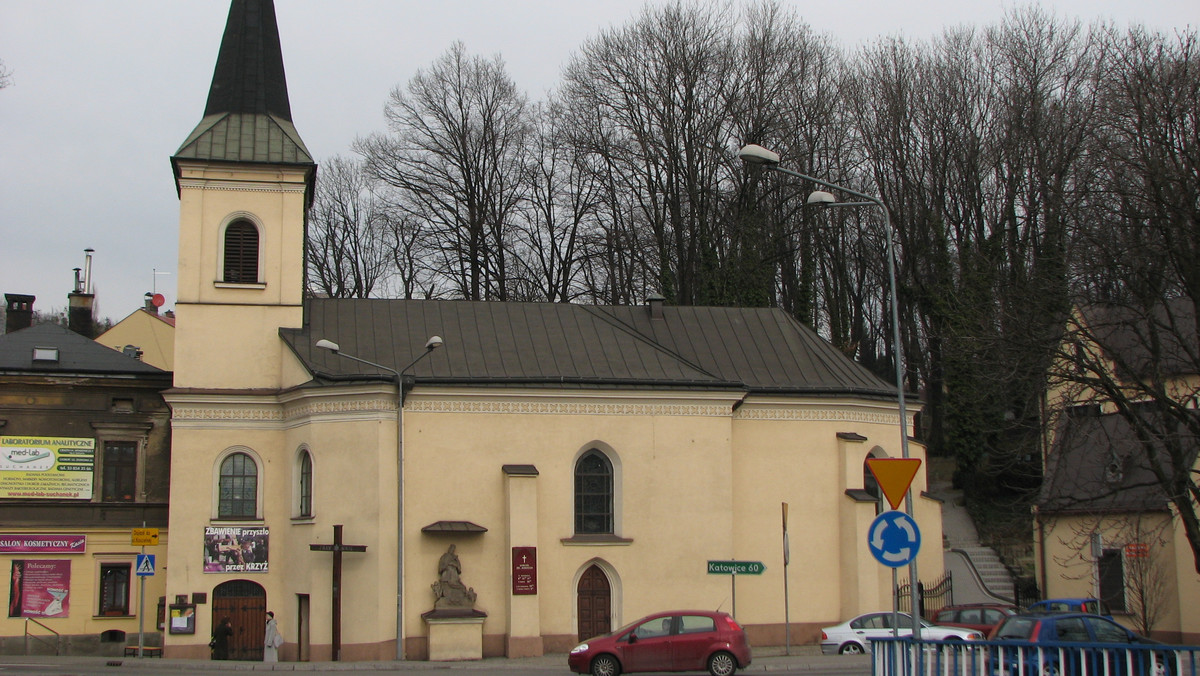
[894, 539]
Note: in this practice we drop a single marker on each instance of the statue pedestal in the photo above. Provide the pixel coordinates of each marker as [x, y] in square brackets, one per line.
[455, 635]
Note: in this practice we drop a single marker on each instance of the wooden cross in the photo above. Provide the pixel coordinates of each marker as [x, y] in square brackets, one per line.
[337, 548]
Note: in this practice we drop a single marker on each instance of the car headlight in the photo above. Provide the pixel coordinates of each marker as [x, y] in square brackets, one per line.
[582, 647]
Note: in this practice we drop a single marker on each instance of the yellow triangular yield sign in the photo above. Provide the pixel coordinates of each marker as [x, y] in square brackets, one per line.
[894, 475]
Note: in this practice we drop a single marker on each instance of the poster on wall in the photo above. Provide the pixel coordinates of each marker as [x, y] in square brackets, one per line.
[39, 588]
[46, 468]
[235, 549]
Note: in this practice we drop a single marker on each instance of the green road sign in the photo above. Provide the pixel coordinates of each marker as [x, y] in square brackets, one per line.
[735, 567]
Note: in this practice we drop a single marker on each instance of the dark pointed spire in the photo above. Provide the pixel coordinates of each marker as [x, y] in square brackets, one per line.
[248, 117]
[249, 74]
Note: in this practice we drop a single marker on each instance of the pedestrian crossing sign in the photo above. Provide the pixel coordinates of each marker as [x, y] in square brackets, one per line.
[145, 565]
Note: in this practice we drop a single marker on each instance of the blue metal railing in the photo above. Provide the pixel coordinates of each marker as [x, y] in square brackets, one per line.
[907, 657]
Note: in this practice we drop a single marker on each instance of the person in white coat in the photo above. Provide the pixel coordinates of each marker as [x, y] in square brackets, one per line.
[272, 640]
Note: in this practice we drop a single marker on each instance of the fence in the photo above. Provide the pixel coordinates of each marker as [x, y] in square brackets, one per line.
[933, 597]
[907, 657]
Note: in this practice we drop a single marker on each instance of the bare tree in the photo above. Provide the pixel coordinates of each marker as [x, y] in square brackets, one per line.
[348, 254]
[1134, 344]
[455, 155]
[5, 75]
[563, 198]
[658, 90]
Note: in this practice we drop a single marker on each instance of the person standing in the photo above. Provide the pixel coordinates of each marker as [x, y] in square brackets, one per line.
[220, 639]
[271, 640]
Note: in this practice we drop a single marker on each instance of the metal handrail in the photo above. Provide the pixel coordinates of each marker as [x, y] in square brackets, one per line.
[57, 636]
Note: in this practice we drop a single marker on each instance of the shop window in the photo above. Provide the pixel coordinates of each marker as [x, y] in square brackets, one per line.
[114, 588]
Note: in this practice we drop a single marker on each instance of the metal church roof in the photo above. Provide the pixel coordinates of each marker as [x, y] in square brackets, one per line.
[567, 345]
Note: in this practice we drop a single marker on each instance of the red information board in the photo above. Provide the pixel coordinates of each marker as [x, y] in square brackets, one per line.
[524, 571]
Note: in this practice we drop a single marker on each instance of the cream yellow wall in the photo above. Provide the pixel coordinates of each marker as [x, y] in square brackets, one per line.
[152, 335]
[352, 445]
[227, 334]
[103, 546]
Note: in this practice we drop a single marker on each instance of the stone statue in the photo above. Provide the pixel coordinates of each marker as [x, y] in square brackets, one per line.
[449, 589]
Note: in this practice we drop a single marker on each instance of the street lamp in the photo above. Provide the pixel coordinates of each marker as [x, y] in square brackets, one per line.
[758, 155]
[432, 344]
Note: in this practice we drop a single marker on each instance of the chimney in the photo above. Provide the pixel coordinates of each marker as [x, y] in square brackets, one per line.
[655, 303]
[150, 306]
[79, 312]
[18, 312]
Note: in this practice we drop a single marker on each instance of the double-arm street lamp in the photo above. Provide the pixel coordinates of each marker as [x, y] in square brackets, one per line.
[432, 344]
[758, 155]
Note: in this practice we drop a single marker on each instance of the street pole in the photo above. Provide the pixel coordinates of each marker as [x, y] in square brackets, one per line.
[787, 609]
[758, 155]
[141, 606]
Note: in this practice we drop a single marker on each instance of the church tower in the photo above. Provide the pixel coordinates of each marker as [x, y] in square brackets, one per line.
[245, 182]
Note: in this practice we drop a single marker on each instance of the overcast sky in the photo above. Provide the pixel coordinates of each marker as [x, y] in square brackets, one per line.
[103, 93]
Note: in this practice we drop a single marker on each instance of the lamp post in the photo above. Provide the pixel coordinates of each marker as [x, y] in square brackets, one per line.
[432, 344]
[758, 155]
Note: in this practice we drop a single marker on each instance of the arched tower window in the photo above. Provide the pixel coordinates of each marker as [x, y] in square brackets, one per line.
[241, 253]
[593, 494]
[238, 490]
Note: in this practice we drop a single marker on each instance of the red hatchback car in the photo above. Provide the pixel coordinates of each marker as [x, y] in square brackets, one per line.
[676, 640]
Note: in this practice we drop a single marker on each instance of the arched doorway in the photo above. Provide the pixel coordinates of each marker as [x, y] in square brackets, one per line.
[594, 600]
[245, 603]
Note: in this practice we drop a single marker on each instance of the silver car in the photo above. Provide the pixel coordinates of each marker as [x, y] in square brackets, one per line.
[853, 637]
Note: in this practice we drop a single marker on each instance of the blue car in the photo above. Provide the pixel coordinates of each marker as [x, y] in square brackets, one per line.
[1092, 606]
[1075, 644]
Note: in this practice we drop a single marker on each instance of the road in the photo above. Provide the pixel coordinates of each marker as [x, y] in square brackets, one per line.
[553, 665]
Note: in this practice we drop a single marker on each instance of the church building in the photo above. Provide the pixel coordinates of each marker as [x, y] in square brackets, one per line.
[440, 479]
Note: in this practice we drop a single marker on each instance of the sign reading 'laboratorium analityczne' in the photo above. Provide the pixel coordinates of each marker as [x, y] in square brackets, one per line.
[46, 468]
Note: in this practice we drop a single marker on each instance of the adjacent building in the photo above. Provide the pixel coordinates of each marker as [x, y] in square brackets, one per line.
[84, 460]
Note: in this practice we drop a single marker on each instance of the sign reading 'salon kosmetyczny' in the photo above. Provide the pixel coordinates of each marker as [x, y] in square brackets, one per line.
[46, 468]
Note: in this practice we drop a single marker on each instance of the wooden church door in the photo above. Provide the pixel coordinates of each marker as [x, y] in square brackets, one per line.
[245, 603]
[594, 602]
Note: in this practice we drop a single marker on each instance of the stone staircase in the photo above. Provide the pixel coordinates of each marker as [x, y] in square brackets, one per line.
[995, 577]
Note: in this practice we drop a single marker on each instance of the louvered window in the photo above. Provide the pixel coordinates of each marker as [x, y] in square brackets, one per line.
[241, 253]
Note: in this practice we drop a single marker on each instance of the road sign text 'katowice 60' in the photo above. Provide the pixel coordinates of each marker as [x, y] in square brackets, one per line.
[735, 567]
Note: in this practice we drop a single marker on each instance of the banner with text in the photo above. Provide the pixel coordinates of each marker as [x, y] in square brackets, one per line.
[235, 549]
[39, 588]
[36, 543]
[46, 468]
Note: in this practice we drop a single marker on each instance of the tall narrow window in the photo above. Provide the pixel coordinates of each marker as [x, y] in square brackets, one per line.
[114, 588]
[119, 481]
[305, 487]
[238, 497]
[593, 493]
[241, 253]
[871, 486]
[1112, 579]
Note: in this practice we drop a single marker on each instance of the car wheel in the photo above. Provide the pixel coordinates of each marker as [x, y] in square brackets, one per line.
[721, 664]
[605, 665]
[1161, 668]
[851, 649]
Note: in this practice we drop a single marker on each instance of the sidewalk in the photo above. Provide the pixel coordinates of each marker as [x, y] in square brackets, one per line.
[766, 660]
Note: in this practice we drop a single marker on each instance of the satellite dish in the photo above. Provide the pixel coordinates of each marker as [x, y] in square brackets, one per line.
[159, 300]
